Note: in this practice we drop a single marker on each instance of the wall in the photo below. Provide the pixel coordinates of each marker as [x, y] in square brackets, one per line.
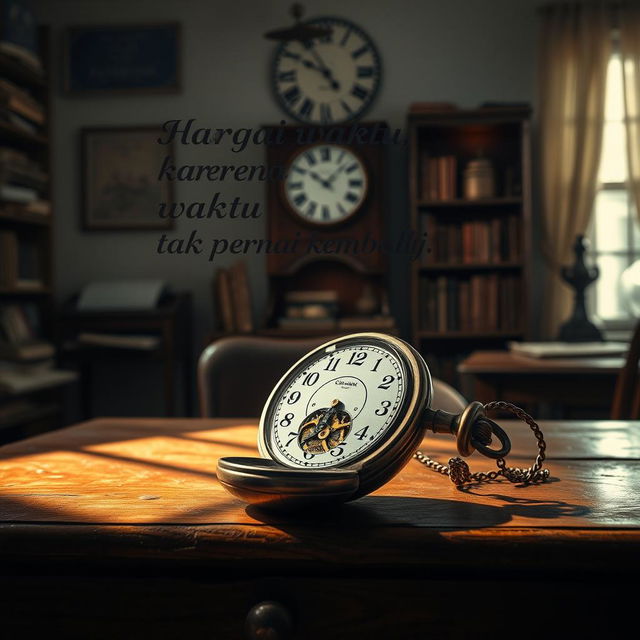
[464, 51]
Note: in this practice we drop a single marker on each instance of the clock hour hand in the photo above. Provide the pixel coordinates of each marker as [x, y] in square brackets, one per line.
[326, 72]
[325, 183]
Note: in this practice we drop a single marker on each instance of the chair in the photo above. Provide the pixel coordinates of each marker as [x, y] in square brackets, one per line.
[626, 396]
[236, 376]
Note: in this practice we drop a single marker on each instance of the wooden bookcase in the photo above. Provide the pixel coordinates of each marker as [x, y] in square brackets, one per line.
[30, 411]
[471, 290]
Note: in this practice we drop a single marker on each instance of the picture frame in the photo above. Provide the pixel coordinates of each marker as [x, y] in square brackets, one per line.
[120, 187]
[122, 59]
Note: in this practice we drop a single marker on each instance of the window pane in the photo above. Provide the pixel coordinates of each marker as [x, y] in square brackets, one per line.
[613, 162]
[613, 106]
[610, 218]
[609, 303]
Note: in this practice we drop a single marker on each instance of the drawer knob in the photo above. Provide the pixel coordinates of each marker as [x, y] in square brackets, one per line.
[269, 620]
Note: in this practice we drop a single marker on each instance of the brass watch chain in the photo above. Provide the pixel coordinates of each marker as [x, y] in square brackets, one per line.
[460, 474]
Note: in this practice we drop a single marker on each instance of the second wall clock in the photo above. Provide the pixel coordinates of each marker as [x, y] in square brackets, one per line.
[330, 79]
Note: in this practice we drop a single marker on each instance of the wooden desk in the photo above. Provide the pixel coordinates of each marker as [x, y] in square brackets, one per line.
[570, 382]
[117, 528]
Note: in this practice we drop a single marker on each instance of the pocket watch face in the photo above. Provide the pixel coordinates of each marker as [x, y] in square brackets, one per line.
[338, 405]
[326, 184]
[327, 80]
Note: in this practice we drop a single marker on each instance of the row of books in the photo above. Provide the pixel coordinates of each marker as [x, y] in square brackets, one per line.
[16, 100]
[20, 334]
[480, 241]
[233, 299]
[482, 303]
[20, 265]
[438, 177]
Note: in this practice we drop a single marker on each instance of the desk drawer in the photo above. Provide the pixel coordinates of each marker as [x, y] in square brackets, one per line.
[319, 608]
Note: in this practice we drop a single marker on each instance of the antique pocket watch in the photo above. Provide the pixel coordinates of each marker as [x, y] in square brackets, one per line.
[347, 417]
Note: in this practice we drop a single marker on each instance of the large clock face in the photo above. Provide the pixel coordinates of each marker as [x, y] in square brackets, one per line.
[326, 184]
[331, 79]
[337, 406]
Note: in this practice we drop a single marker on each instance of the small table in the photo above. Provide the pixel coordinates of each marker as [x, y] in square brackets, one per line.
[119, 528]
[572, 382]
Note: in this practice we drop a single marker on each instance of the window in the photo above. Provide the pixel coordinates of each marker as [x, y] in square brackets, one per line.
[614, 230]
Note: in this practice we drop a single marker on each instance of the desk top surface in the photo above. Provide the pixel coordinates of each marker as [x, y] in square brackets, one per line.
[505, 362]
[118, 487]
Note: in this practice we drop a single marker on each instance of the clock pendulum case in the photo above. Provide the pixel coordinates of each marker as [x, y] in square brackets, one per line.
[349, 415]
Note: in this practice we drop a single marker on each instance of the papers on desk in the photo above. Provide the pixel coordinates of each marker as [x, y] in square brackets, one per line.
[568, 349]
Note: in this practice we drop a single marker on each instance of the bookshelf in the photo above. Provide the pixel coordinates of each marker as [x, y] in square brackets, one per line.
[471, 290]
[31, 389]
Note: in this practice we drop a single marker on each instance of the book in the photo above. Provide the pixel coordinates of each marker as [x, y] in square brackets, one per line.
[36, 350]
[19, 34]
[20, 102]
[13, 382]
[224, 302]
[15, 193]
[241, 297]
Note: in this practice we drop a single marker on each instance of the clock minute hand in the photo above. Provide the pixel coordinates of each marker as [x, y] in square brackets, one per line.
[326, 72]
[334, 175]
[325, 183]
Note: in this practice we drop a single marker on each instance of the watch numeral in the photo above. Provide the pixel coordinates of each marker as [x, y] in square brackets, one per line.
[307, 455]
[295, 185]
[355, 183]
[326, 213]
[311, 379]
[310, 158]
[359, 52]
[345, 37]
[325, 154]
[307, 107]
[286, 421]
[359, 92]
[325, 113]
[386, 382]
[377, 364]
[300, 199]
[333, 363]
[365, 72]
[357, 358]
[294, 397]
[294, 434]
[384, 408]
[287, 76]
[351, 197]
[291, 95]
[337, 451]
[362, 434]
[352, 167]
[311, 209]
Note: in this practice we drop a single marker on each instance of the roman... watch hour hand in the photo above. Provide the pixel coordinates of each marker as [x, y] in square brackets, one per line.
[318, 178]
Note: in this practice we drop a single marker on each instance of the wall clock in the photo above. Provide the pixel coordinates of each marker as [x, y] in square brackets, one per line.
[346, 418]
[326, 184]
[327, 80]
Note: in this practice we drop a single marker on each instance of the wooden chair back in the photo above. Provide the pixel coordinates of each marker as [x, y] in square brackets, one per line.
[626, 397]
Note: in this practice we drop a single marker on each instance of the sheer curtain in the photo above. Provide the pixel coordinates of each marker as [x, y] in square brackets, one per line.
[574, 49]
[628, 22]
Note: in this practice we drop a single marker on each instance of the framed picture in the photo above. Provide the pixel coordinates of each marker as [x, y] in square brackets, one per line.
[120, 187]
[122, 59]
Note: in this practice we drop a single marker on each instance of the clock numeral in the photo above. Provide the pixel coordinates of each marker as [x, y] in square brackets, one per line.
[325, 113]
[365, 72]
[294, 397]
[325, 154]
[354, 183]
[346, 107]
[311, 209]
[341, 209]
[359, 92]
[307, 455]
[326, 212]
[342, 155]
[352, 167]
[300, 199]
[287, 76]
[293, 436]
[345, 37]
[286, 421]
[295, 185]
[311, 379]
[384, 408]
[291, 95]
[310, 158]
[362, 434]
[357, 358]
[289, 54]
[329, 37]
[351, 197]
[300, 170]
[360, 52]
[307, 107]
[386, 382]
[337, 451]
[333, 363]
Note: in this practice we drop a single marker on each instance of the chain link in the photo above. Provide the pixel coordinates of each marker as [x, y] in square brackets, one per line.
[459, 472]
